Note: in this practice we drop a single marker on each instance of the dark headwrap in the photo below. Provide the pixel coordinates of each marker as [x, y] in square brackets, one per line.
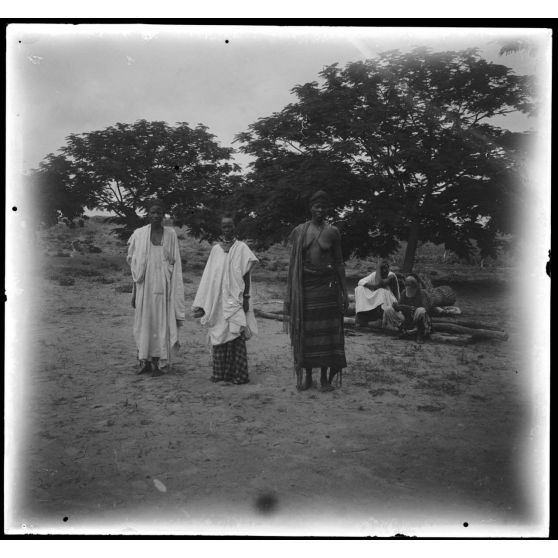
[156, 203]
[415, 277]
[319, 195]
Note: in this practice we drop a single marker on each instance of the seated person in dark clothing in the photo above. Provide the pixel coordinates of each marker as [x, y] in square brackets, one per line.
[412, 312]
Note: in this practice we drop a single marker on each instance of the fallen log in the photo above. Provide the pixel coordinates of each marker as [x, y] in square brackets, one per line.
[268, 315]
[451, 339]
[435, 337]
[350, 322]
[467, 323]
[476, 333]
[439, 327]
[448, 320]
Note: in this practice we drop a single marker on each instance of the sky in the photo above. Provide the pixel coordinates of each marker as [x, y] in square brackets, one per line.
[64, 79]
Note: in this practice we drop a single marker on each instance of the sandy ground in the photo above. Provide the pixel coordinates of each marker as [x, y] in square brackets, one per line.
[419, 439]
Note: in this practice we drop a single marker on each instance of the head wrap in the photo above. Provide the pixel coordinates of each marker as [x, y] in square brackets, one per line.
[155, 203]
[319, 195]
[412, 279]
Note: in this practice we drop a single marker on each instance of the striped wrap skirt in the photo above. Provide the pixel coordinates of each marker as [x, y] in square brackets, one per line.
[324, 337]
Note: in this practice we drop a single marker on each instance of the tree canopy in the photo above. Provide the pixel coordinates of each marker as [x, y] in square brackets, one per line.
[119, 169]
[50, 194]
[404, 144]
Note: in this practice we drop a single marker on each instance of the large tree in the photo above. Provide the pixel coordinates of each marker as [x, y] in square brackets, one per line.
[405, 145]
[119, 169]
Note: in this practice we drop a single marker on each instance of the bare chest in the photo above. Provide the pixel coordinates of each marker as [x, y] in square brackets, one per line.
[156, 237]
[319, 238]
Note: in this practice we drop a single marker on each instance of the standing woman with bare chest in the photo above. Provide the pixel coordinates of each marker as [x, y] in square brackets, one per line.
[316, 297]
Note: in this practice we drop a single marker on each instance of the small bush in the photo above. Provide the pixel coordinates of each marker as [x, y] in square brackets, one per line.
[80, 272]
[124, 288]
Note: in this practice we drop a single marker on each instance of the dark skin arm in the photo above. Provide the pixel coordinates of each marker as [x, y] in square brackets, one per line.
[383, 284]
[246, 295]
[134, 295]
[339, 265]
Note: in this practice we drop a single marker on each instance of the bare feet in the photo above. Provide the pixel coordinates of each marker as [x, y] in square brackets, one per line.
[145, 367]
[325, 384]
[327, 381]
[240, 382]
[306, 384]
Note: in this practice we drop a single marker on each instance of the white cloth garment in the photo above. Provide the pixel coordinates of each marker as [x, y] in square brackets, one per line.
[220, 293]
[157, 274]
[366, 299]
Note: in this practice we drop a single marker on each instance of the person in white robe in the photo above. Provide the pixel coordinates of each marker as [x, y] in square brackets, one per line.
[223, 304]
[158, 291]
[375, 292]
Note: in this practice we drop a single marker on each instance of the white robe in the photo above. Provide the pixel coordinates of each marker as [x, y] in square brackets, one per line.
[366, 299]
[220, 294]
[157, 274]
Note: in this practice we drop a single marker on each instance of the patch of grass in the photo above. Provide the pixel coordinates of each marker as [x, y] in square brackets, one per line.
[381, 391]
[388, 361]
[52, 275]
[124, 288]
[381, 377]
[408, 370]
[438, 386]
[458, 378]
[430, 408]
[197, 265]
[80, 272]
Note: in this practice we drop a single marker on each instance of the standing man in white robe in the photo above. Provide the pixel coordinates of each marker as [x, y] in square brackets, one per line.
[376, 292]
[158, 291]
[223, 304]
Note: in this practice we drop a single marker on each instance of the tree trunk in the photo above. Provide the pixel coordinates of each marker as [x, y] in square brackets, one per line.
[412, 243]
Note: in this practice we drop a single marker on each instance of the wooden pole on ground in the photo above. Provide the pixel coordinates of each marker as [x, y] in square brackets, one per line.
[439, 327]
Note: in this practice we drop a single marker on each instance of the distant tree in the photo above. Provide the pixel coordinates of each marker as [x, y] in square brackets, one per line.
[119, 169]
[51, 195]
[405, 146]
[513, 46]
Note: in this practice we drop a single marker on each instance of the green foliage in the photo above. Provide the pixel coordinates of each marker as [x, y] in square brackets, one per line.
[404, 145]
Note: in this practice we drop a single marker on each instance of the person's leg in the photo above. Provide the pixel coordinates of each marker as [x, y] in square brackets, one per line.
[332, 373]
[306, 383]
[155, 365]
[326, 381]
[145, 366]
[240, 361]
[391, 319]
[299, 376]
[219, 353]
[419, 319]
[362, 318]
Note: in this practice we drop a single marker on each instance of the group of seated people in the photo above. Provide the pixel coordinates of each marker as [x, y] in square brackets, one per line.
[378, 299]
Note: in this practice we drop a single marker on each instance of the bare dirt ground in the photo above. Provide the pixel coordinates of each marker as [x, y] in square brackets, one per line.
[419, 439]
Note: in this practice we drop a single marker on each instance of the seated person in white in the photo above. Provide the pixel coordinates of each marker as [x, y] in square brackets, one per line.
[375, 293]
